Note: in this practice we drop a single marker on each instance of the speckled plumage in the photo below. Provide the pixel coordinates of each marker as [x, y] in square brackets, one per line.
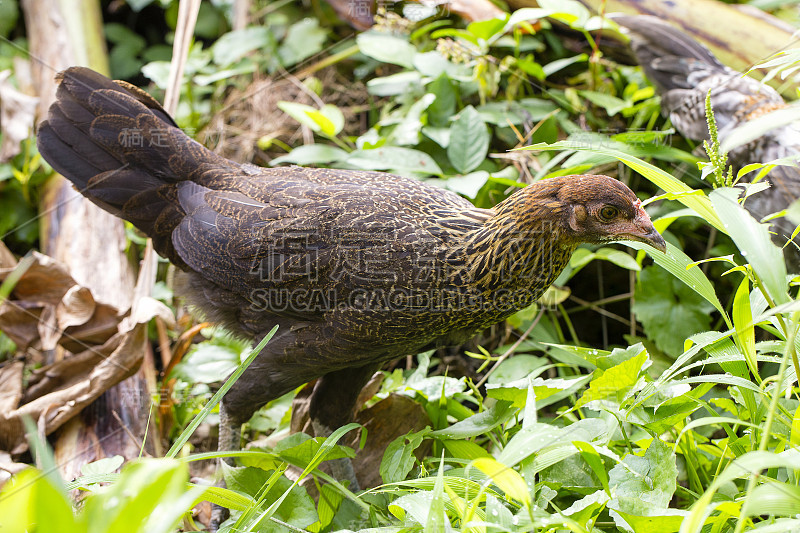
[356, 268]
[684, 71]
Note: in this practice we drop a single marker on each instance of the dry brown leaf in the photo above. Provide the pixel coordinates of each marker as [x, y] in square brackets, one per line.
[11, 385]
[47, 327]
[46, 281]
[17, 113]
[48, 309]
[7, 259]
[384, 422]
[75, 308]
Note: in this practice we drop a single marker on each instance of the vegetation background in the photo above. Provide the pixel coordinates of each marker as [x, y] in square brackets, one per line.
[643, 393]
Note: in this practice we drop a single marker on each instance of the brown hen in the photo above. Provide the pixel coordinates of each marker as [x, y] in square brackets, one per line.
[357, 268]
[684, 72]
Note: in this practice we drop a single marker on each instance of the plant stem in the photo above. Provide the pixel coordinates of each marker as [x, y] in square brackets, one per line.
[788, 351]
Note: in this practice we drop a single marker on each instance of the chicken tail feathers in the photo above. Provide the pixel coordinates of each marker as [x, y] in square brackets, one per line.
[670, 58]
[121, 149]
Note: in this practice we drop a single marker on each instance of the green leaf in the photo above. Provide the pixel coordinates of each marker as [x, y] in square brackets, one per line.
[395, 84]
[105, 465]
[234, 45]
[398, 459]
[407, 131]
[773, 498]
[665, 306]
[394, 158]
[517, 391]
[469, 184]
[9, 14]
[614, 382]
[506, 479]
[642, 484]
[328, 120]
[742, 315]
[465, 449]
[479, 423]
[444, 106]
[611, 104]
[30, 502]
[437, 518]
[742, 466]
[303, 39]
[487, 29]
[682, 267]
[387, 48]
[618, 257]
[207, 363]
[469, 141]
[311, 154]
[754, 242]
[302, 450]
[186, 433]
[150, 495]
[296, 509]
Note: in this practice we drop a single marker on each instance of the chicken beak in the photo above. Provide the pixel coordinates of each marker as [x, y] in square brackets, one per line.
[654, 239]
[643, 231]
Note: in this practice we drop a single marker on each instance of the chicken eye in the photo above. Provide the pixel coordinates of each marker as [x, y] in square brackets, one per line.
[608, 212]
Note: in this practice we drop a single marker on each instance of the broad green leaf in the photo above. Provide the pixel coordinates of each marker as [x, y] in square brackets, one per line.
[479, 423]
[469, 141]
[487, 29]
[754, 242]
[415, 506]
[30, 502]
[387, 48]
[302, 113]
[398, 459]
[311, 154]
[394, 84]
[595, 462]
[588, 507]
[297, 509]
[465, 449]
[144, 486]
[394, 158]
[105, 465]
[301, 452]
[669, 310]
[615, 381]
[643, 484]
[611, 104]
[407, 131]
[469, 184]
[618, 257]
[517, 391]
[207, 363]
[303, 39]
[773, 498]
[536, 437]
[654, 520]
[444, 106]
[682, 267]
[507, 479]
[234, 45]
